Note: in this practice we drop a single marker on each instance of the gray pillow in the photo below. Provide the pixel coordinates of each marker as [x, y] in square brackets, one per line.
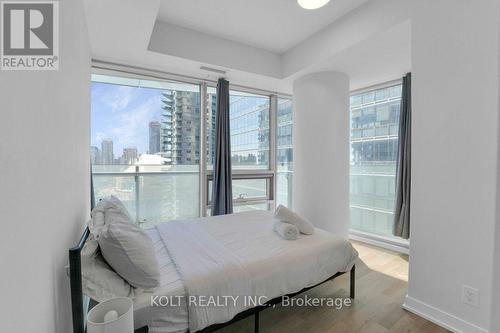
[130, 252]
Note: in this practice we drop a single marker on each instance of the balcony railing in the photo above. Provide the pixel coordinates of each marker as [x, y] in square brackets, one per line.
[151, 193]
[158, 193]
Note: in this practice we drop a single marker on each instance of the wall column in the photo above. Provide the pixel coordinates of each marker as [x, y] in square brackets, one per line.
[321, 150]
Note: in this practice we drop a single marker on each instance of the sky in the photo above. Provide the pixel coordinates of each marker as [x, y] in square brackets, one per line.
[122, 114]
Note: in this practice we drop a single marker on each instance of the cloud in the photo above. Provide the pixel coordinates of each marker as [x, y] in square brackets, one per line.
[122, 113]
[129, 131]
[119, 98]
[99, 136]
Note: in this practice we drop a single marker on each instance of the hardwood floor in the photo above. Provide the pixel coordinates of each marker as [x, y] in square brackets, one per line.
[381, 280]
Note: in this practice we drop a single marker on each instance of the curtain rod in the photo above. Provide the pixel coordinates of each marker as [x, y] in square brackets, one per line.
[105, 65]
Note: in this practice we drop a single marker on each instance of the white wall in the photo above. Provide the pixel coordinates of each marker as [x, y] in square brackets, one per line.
[495, 309]
[390, 57]
[44, 181]
[190, 44]
[372, 18]
[455, 127]
[321, 150]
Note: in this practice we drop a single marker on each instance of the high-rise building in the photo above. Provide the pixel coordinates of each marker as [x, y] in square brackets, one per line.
[129, 156]
[249, 129]
[374, 144]
[210, 126]
[95, 155]
[284, 153]
[284, 135]
[107, 151]
[154, 137]
[180, 138]
[166, 126]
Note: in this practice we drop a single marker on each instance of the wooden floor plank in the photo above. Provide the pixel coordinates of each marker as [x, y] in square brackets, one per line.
[381, 282]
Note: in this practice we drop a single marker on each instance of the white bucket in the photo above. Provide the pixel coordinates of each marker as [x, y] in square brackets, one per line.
[122, 323]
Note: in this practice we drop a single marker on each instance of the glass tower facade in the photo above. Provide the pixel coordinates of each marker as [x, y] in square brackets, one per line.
[249, 130]
[284, 153]
[154, 137]
[374, 119]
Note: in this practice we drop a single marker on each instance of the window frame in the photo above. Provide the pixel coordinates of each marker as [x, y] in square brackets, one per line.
[269, 173]
[205, 175]
[393, 243]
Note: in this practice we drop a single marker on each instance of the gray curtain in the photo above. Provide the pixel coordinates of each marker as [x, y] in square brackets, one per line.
[403, 174]
[222, 191]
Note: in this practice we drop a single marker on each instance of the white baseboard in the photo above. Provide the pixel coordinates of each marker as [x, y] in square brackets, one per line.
[389, 245]
[439, 317]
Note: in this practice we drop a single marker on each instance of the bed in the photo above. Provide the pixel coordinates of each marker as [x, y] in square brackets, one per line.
[273, 267]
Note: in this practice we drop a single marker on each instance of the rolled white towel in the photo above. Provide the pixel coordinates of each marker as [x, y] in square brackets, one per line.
[286, 230]
[286, 215]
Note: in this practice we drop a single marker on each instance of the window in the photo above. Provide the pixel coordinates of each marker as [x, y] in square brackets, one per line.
[249, 115]
[147, 135]
[145, 146]
[253, 179]
[374, 119]
[284, 153]
[249, 123]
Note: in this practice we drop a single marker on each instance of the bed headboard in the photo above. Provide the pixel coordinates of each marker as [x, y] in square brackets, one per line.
[75, 275]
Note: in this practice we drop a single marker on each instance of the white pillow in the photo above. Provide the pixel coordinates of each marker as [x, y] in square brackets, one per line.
[124, 245]
[130, 252]
[120, 206]
[108, 210]
[99, 281]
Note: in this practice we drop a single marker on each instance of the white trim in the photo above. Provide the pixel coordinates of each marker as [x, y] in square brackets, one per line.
[383, 242]
[273, 143]
[370, 209]
[377, 86]
[162, 75]
[203, 150]
[439, 317]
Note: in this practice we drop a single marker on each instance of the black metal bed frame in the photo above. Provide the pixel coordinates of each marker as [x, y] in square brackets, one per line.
[77, 307]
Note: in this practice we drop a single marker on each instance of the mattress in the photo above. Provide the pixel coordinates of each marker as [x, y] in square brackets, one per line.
[168, 319]
[276, 266]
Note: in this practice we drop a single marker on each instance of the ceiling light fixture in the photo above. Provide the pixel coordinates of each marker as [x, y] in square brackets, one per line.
[312, 4]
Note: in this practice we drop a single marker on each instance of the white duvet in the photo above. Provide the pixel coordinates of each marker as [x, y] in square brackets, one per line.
[236, 254]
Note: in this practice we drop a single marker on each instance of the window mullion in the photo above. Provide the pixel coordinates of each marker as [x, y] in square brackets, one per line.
[272, 142]
[203, 149]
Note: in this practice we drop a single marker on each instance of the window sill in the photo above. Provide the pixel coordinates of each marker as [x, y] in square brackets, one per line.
[394, 244]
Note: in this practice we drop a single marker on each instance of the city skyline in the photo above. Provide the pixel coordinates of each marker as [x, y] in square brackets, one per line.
[122, 114]
[170, 127]
[167, 122]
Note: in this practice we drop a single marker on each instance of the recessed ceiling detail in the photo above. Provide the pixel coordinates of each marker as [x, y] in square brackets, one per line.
[350, 36]
[275, 26]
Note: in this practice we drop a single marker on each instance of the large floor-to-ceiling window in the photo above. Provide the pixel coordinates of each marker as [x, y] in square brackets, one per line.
[374, 138]
[145, 145]
[256, 177]
[284, 152]
[148, 135]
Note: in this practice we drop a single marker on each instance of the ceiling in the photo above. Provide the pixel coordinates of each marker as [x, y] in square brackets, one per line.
[272, 25]
[370, 44]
